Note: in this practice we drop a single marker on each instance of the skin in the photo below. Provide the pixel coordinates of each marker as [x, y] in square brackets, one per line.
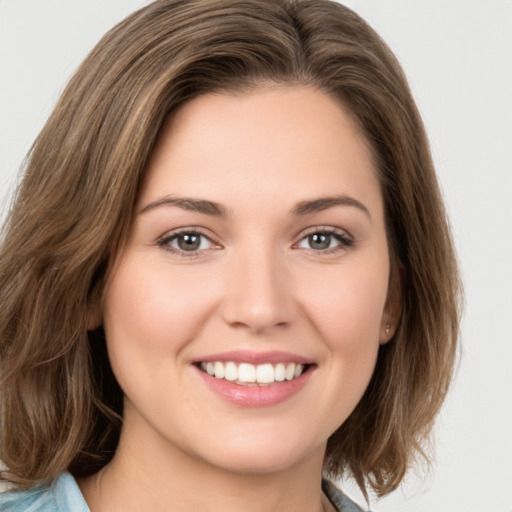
[255, 283]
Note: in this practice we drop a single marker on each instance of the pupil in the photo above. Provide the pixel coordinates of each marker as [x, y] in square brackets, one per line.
[189, 242]
[319, 241]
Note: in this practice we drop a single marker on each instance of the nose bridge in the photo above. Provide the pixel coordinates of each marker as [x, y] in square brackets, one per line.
[258, 291]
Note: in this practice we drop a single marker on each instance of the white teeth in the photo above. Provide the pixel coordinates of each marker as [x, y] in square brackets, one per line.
[279, 372]
[290, 371]
[246, 373]
[264, 374]
[219, 370]
[231, 372]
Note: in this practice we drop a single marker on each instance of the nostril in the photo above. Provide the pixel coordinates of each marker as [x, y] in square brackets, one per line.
[257, 294]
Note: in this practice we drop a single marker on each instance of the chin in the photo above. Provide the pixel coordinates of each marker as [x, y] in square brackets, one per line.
[267, 456]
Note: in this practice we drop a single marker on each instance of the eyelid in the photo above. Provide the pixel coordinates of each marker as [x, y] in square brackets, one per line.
[345, 238]
[163, 241]
[324, 229]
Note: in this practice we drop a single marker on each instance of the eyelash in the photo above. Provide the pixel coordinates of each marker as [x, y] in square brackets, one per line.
[345, 241]
[166, 240]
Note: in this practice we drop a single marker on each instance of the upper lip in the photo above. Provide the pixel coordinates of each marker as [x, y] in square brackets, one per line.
[249, 356]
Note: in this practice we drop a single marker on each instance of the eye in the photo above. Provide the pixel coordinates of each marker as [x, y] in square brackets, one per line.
[183, 242]
[325, 240]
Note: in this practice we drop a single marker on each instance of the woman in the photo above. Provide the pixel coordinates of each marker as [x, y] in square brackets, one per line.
[227, 270]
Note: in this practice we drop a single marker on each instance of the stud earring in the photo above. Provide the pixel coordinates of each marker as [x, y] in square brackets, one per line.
[388, 329]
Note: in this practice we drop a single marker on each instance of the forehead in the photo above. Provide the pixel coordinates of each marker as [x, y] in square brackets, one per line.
[259, 144]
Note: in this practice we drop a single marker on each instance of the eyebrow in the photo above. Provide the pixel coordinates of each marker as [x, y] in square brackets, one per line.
[215, 209]
[324, 203]
[188, 203]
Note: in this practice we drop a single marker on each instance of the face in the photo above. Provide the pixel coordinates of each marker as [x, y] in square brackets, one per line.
[244, 315]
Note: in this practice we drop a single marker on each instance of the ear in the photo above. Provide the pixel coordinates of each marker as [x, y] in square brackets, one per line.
[95, 316]
[393, 306]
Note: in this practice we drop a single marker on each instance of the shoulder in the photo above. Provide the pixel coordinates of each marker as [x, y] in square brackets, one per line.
[62, 496]
[32, 500]
[338, 499]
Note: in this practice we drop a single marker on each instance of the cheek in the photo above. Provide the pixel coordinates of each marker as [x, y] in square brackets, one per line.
[348, 305]
[345, 308]
[152, 312]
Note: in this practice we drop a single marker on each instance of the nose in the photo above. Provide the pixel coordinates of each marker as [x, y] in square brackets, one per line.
[259, 292]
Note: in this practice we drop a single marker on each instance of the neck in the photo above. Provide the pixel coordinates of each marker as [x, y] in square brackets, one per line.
[157, 477]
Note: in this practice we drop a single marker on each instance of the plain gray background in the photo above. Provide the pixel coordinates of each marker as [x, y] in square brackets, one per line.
[458, 57]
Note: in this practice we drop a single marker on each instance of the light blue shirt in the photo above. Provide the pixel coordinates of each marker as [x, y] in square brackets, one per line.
[64, 496]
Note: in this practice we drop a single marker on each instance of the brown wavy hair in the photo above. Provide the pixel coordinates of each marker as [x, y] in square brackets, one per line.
[61, 408]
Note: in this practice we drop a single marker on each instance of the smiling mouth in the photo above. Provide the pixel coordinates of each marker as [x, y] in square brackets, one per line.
[247, 374]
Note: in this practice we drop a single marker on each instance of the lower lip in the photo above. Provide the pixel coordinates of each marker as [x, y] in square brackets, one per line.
[254, 395]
